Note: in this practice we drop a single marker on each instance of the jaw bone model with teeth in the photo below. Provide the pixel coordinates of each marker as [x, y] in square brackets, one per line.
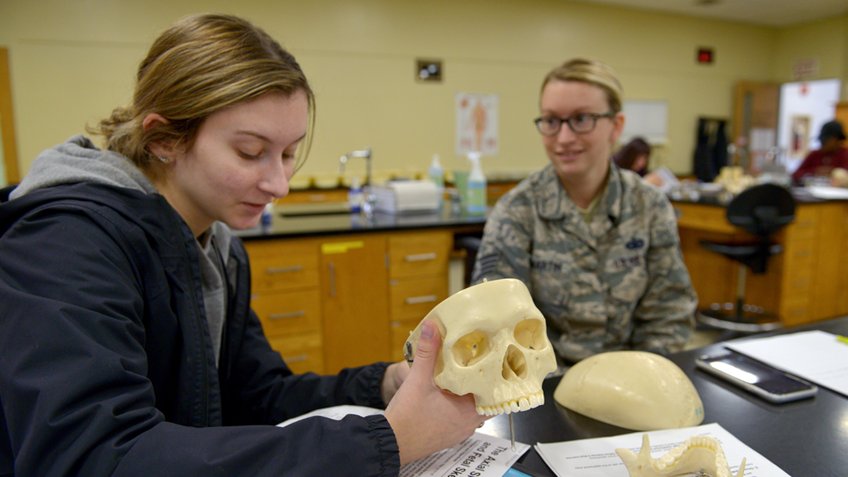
[699, 455]
[494, 346]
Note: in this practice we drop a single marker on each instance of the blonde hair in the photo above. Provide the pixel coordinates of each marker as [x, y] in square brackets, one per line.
[592, 72]
[198, 66]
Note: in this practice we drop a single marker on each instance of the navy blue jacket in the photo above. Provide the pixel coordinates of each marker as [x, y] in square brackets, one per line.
[107, 368]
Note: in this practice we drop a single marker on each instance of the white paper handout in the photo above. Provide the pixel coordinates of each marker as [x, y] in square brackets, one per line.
[597, 457]
[479, 455]
[816, 356]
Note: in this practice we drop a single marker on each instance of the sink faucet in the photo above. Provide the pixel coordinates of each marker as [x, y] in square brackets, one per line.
[366, 153]
[369, 198]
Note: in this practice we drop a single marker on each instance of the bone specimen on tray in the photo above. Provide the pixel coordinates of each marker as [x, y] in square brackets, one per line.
[494, 346]
[631, 389]
[698, 454]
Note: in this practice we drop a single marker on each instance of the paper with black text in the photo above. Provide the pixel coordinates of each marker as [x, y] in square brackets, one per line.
[479, 455]
[597, 457]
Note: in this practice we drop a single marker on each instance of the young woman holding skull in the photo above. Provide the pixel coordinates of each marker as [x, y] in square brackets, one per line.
[139, 355]
[597, 247]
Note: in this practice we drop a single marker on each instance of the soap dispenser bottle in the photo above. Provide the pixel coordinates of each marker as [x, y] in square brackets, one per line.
[355, 196]
[476, 187]
[437, 176]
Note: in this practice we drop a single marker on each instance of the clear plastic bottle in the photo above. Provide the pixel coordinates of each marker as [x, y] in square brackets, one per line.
[437, 175]
[354, 196]
[475, 193]
[267, 215]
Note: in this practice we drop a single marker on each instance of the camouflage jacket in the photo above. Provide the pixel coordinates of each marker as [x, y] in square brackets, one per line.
[616, 282]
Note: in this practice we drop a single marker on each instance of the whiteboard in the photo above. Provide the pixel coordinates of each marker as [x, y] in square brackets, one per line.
[648, 119]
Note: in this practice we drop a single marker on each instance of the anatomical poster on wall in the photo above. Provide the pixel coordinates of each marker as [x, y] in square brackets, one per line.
[476, 123]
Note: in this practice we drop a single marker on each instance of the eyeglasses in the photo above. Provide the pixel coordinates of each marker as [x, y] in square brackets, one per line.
[580, 123]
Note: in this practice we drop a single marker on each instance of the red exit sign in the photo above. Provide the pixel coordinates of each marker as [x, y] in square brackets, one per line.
[705, 56]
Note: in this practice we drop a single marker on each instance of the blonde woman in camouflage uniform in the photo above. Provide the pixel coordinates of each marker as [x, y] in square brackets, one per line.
[596, 245]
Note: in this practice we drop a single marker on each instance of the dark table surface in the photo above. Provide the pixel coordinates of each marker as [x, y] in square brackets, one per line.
[804, 438]
[312, 224]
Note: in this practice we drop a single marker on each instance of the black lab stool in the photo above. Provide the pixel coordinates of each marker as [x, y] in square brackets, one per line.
[761, 210]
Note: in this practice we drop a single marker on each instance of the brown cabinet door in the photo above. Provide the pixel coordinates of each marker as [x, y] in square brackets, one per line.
[354, 296]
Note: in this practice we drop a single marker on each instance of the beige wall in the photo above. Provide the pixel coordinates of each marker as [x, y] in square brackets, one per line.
[73, 61]
[825, 42]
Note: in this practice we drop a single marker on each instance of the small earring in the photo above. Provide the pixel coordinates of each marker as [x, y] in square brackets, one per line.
[164, 160]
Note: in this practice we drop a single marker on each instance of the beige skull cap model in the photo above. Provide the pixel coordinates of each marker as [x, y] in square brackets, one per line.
[494, 346]
[631, 389]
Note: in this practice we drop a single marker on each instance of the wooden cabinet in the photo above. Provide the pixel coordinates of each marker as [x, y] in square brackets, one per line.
[355, 304]
[285, 296]
[842, 114]
[8, 148]
[313, 196]
[798, 264]
[807, 282]
[418, 272]
[340, 301]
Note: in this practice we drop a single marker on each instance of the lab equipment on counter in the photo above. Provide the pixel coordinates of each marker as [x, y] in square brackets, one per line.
[398, 197]
[355, 196]
[475, 202]
[437, 175]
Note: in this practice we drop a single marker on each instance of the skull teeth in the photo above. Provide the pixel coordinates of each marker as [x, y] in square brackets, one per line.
[680, 459]
[521, 404]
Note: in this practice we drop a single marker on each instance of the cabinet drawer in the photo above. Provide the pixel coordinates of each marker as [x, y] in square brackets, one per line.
[797, 284]
[284, 313]
[798, 256]
[703, 217]
[283, 265]
[400, 331]
[794, 312]
[413, 298]
[314, 196]
[804, 225]
[421, 253]
[301, 353]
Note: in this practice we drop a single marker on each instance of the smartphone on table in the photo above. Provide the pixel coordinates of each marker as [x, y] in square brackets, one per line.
[756, 377]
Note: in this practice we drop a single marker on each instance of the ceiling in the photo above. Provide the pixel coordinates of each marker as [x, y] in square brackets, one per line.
[778, 13]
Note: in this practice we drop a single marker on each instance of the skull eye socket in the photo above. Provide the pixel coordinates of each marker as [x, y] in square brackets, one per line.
[530, 333]
[471, 348]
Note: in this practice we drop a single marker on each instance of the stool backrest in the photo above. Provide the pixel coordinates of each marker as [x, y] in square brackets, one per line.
[762, 209]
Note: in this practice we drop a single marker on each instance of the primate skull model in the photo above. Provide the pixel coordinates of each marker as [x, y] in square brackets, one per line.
[494, 346]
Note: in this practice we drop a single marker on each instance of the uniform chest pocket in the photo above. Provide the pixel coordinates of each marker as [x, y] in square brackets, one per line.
[630, 283]
[626, 269]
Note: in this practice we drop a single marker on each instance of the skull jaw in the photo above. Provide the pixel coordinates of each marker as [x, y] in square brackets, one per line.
[697, 454]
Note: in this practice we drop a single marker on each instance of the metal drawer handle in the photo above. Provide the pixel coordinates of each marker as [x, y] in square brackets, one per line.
[282, 316]
[274, 270]
[332, 279]
[420, 257]
[296, 359]
[421, 299]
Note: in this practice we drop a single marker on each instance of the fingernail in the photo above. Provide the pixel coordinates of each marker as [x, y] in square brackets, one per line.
[427, 330]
